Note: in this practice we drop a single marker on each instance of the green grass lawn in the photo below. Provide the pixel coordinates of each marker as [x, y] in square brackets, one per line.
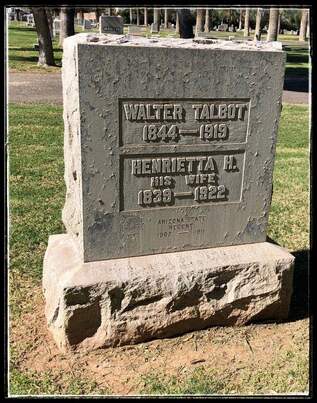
[36, 197]
[22, 56]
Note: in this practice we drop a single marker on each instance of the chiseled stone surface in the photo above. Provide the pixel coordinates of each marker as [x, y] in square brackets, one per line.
[206, 112]
[130, 300]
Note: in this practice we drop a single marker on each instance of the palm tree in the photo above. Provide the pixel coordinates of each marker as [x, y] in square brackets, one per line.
[207, 21]
[279, 21]
[273, 24]
[240, 19]
[257, 34]
[145, 16]
[137, 17]
[199, 20]
[157, 16]
[165, 17]
[303, 26]
[177, 22]
[246, 22]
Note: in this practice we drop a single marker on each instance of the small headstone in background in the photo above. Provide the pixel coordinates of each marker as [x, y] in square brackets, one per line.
[135, 30]
[30, 20]
[110, 25]
[204, 35]
[223, 27]
[87, 24]
[155, 28]
[36, 45]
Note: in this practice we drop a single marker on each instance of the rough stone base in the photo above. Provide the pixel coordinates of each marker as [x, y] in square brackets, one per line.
[130, 300]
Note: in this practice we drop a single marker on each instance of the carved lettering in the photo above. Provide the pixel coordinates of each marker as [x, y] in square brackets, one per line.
[182, 176]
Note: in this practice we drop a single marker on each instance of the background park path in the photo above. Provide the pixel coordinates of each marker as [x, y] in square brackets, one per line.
[47, 88]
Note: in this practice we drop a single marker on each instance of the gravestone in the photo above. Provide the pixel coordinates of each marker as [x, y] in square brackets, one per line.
[110, 24]
[136, 30]
[36, 45]
[155, 28]
[223, 27]
[30, 20]
[87, 25]
[168, 173]
[201, 34]
[56, 27]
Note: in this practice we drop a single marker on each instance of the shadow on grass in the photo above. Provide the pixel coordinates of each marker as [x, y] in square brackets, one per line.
[32, 59]
[55, 49]
[296, 72]
[22, 49]
[28, 29]
[297, 57]
[296, 80]
[299, 304]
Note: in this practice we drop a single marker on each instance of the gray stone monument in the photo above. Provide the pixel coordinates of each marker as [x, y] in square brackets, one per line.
[110, 24]
[169, 151]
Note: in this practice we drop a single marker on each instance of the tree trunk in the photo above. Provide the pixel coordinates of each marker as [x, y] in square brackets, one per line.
[199, 20]
[246, 22]
[145, 16]
[273, 23]
[165, 18]
[207, 21]
[67, 23]
[240, 19]
[49, 16]
[279, 23]
[177, 23]
[157, 16]
[257, 34]
[98, 14]
[137, 17]
[185, 23]
[131, 16]
[303, 26]
[46, 55]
